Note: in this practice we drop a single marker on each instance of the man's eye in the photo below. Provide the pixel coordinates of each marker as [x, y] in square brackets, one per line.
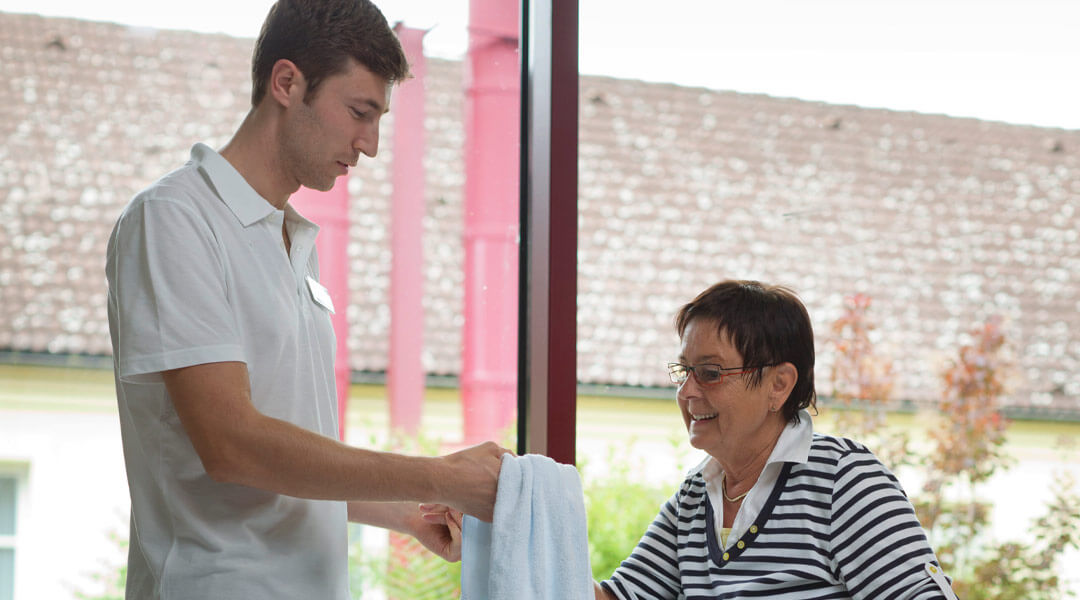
[359, 114]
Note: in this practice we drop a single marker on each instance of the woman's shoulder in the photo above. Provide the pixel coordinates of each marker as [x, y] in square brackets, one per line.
[694, 481]
[834, 451]
[691, 492]
[832, 445]
[840, 464]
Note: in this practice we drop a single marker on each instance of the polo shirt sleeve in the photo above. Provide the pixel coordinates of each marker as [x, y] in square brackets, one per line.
[879, 545]
[169, 282]
[652, 570]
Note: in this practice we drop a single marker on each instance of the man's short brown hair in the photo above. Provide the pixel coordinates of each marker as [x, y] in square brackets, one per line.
[319, 36]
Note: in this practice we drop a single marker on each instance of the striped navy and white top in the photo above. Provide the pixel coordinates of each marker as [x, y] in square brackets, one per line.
[837, 525]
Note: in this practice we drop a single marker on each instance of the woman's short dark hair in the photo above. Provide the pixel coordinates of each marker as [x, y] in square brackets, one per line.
[768, 324]
[319, 36]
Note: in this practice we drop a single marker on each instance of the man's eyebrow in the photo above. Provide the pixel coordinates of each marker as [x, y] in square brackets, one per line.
[372, 103]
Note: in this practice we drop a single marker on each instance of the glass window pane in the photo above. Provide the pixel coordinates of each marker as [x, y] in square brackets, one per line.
[433, 300]
[7, 506]
[7, 574]
[895, 228]
[432, 262]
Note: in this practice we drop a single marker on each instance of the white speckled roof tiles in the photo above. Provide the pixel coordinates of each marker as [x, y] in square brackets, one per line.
[942, 221]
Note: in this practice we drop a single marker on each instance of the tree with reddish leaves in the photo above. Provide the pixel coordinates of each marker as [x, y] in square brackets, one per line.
[971, 437]
[862, 385]
[968, 448]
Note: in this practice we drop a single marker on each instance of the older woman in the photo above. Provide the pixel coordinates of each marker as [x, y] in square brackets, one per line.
[776, 510]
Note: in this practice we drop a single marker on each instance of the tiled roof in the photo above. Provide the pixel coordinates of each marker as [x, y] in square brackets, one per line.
[92, 112]
[942, 221]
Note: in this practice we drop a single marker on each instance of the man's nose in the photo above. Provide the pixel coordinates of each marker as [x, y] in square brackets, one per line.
[367, 142]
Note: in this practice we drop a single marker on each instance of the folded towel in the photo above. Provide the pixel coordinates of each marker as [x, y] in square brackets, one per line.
[537, 547]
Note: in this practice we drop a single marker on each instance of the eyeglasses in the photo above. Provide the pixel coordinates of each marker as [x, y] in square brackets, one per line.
[706, 374]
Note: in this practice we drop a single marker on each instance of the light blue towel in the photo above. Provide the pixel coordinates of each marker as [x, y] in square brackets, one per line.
[537, 547]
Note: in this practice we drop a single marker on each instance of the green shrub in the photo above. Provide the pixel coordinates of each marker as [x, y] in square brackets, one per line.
[619, 508]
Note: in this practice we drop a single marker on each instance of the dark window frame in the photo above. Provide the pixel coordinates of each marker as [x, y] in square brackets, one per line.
[547, 311]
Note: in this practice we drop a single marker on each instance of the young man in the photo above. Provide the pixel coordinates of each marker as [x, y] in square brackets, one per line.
[223, 349]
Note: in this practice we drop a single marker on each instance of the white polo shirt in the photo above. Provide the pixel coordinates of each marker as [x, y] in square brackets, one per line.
[198, 273]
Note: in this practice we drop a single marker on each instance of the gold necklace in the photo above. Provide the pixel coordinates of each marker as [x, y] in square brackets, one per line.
[723, 490]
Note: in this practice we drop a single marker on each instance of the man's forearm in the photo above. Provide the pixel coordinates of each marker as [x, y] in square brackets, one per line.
[238, 444]
[277, 456]
[397, 516]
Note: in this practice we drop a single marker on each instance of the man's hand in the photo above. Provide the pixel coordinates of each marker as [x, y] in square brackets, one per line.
[437, 527]
[472, 478]
[439, 530]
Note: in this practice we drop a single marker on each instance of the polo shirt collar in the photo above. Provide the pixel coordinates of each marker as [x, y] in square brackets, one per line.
[793, 445]
[245, 203]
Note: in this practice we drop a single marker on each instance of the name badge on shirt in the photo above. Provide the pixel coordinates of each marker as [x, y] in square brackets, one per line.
[320, 294]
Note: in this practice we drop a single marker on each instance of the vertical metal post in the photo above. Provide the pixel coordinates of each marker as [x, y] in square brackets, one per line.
[405, 372]
[493, 91]
[330, 210]
[548, 323]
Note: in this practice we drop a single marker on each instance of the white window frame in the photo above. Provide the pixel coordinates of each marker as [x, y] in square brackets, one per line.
[19, 472]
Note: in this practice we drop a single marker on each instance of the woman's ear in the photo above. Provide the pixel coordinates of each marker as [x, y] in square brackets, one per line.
[783, 379]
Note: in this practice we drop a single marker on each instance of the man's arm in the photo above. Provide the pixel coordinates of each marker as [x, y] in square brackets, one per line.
[238, 444]
[437, 527]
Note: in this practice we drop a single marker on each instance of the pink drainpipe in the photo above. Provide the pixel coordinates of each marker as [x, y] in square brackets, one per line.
[405, 372]
[330, 210]
[492, 122]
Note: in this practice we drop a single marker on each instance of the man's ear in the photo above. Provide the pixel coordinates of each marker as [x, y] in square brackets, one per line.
[287, 83]
[783, 380]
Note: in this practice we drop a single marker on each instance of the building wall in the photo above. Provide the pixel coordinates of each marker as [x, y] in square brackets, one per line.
[72, 499]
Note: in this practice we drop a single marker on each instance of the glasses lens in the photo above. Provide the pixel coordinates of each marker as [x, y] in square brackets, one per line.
[708, 373]
[677, 372]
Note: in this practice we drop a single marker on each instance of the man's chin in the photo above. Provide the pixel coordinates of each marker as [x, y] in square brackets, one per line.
[321, 186]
